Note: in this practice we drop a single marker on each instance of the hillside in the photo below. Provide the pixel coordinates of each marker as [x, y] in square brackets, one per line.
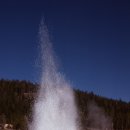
[17, 98]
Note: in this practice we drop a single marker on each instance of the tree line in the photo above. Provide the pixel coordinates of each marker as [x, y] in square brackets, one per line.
[17, 99]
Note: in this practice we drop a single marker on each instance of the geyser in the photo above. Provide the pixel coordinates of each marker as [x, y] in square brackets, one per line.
[54, 108]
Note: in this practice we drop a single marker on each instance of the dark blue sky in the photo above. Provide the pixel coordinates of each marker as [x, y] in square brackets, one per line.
[90, 37]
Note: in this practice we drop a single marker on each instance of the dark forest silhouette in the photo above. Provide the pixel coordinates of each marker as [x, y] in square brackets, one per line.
[17, 98]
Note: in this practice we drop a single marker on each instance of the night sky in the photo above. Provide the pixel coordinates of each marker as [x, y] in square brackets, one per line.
[91, 39]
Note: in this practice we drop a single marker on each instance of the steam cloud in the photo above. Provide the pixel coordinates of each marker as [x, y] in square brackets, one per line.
[97, 118]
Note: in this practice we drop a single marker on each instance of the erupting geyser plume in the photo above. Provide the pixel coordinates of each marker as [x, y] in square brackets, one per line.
[54, 108]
